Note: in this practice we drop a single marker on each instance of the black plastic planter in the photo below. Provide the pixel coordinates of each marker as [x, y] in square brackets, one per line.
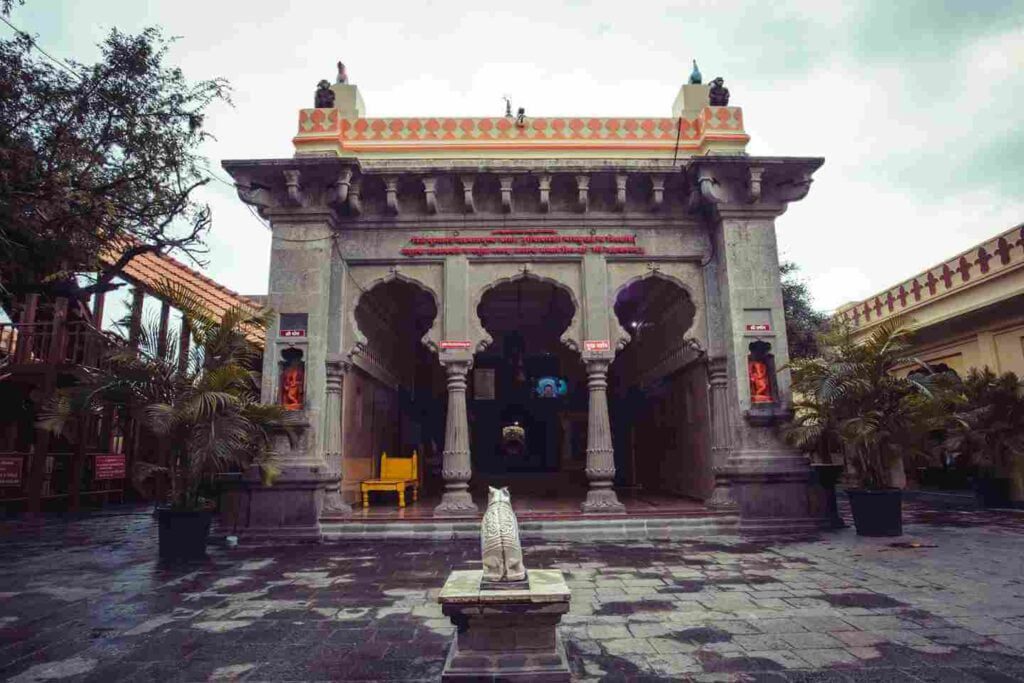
[993, 492]
[183, 533]
[877, 512]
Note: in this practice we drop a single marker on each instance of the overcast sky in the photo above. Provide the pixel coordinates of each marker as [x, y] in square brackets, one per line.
[917, 106]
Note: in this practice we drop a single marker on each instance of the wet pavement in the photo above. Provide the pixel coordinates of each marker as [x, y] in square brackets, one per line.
[85, 600]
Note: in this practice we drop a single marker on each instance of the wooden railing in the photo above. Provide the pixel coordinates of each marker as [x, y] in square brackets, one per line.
[75, 343]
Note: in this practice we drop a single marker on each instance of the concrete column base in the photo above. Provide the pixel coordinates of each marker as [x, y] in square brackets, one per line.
[768, 485]
[288, 510]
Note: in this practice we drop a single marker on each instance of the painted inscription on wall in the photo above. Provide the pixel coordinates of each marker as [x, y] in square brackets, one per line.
[521, 242]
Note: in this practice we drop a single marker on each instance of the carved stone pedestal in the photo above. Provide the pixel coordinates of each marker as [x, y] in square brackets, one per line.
[506, 634]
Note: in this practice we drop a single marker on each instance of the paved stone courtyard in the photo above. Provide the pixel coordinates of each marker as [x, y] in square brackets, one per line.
[85, 600]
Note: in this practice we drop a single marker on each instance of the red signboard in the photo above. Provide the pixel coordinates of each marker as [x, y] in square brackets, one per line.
[527, 242]
[449, 345]
[596, 345]
[293, 333]
[110, 466]
[10, 471]
[761, 327]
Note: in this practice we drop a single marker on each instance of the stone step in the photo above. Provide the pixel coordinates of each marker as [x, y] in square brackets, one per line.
[577, 529]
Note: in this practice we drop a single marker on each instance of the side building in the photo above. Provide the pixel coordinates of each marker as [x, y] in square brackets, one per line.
[966, 312]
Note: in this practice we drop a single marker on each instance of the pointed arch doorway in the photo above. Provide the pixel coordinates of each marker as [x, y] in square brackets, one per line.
[527, 395]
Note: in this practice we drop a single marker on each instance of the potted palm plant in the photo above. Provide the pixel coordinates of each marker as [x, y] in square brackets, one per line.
[201, 406]
[990, 431]
[851, 398]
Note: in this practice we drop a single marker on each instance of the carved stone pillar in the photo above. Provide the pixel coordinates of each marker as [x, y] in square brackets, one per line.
[544, 185]
[620, 191]
[718, 395]
[467, 193]
[457, 468]
[583, 189]
[333, 450]
[391, 194]
[601, 497]
[506, 193]
[430, 192]
[657, 191]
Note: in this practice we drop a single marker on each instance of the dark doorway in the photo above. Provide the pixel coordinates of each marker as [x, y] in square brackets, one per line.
[658, 393]
[528, 398]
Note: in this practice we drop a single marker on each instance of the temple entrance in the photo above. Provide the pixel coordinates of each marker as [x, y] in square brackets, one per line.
[395, 392]
[527, 399]
[658, 394]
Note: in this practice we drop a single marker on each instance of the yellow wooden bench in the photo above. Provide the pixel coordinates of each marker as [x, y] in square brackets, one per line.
[396, 474]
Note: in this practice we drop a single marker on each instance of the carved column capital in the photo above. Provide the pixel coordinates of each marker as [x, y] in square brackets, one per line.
[391, 191]
[544, 184]
[754, 174]
[430, 192]
[506, 193]
[292, 189]
[620, 191]
[583, 191]
[355, 205]
[467, 192]
[341, 188]
[657, 191]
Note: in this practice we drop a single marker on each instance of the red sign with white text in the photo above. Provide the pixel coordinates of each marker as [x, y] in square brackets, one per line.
[762, 327]
[10, 471]
[110, 466]
[596, 345]
[449, 345]
[537, 242]
[293, 333]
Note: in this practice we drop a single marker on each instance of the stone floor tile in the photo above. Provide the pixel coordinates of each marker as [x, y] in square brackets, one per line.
[828, 657]
[788, 659]
[622, 646]
[802, 641]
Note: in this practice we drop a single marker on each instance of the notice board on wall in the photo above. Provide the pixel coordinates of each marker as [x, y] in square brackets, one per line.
[10, 470]
[109, 466]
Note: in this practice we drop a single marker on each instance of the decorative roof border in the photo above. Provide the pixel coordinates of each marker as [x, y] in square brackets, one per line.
[980, 263]
[383, 135]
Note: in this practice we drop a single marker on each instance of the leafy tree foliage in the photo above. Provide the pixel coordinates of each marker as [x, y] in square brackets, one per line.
[97, 159]
[989, 427]
[803, 323]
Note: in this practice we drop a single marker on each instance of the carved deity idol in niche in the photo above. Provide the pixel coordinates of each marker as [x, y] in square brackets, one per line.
[760, 384]
[293, 381]
[499, 539]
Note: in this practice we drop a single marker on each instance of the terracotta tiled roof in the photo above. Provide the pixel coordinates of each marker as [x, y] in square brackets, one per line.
[150, 270]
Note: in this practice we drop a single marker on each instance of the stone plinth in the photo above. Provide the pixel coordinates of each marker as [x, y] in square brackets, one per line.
[506, 634]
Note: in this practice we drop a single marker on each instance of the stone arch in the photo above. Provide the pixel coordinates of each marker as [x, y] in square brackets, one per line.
[430, 338]
[622, 335]
[570, 337]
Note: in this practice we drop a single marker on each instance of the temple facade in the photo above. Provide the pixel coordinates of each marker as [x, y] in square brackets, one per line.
[580, 308]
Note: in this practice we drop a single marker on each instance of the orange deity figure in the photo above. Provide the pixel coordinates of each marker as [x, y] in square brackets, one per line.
[760, 384]
[293, 382]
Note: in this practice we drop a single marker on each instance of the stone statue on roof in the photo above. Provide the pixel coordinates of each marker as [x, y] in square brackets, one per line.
[324, 95]
[719, 94]
[342, 76]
